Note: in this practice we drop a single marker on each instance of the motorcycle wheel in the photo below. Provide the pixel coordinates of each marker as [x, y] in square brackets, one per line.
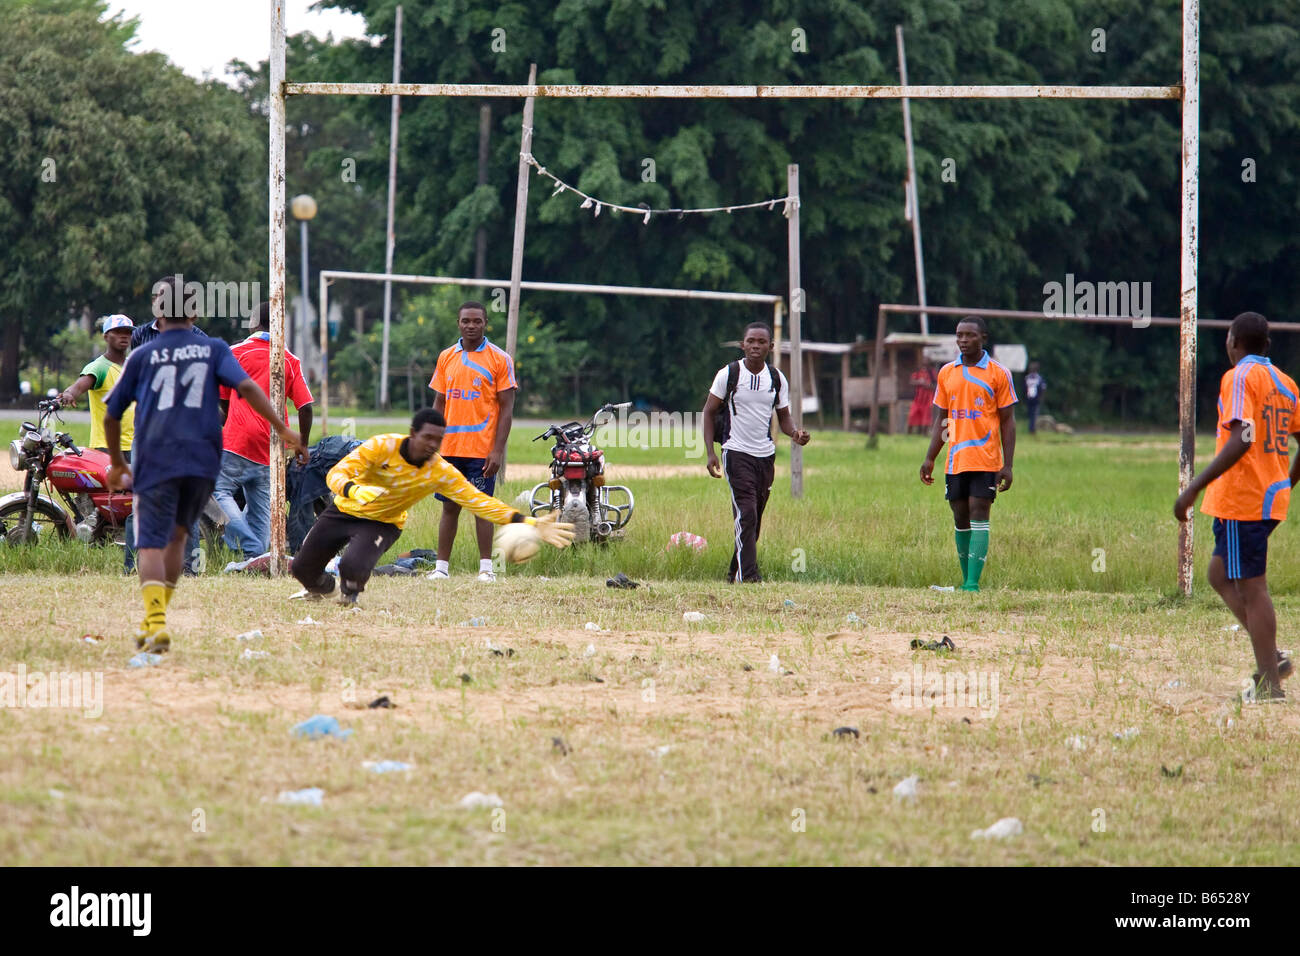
[575, 512]
[44, 520]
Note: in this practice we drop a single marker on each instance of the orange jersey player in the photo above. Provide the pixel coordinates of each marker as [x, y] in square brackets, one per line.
[975, 402]
[474, 386]
[1249, 489]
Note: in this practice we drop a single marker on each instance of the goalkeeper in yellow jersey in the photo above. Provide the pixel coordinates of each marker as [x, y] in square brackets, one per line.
[373, 488]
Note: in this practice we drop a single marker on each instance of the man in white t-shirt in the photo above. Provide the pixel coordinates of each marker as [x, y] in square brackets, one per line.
[741, 401]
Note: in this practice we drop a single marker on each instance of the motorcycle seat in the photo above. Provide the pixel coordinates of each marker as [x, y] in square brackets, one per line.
[561, 454]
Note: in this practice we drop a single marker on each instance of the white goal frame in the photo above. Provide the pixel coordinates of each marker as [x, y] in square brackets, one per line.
[327, 277]
[1187, 92]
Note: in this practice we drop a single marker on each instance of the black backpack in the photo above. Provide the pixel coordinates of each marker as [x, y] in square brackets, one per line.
[722, 418]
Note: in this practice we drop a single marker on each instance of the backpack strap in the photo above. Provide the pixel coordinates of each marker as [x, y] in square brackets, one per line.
[776, 385]
[733, 379]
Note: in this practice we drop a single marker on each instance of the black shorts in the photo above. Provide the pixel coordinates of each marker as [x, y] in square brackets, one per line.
[160, 510]
[472, 469]
[1243, 546]
[971, 484]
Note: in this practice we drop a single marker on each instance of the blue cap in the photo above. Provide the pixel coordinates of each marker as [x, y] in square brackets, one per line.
[117, 321]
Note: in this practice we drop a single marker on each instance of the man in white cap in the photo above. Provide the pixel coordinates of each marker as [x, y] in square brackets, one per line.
[98, 378]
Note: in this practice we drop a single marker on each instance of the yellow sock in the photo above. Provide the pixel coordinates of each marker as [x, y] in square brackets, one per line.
[155, 605]
[169, 590]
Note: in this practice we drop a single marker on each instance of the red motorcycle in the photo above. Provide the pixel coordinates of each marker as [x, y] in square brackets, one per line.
[577, 488]
[85, 506]
[77, 500]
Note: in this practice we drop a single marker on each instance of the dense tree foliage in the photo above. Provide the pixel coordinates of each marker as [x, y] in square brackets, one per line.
[116, 169]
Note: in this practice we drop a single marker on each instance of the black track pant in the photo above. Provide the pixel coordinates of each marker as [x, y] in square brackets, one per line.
[365, 540]
[750, 479]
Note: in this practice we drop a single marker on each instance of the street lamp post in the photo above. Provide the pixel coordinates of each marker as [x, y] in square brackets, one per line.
[303, 208]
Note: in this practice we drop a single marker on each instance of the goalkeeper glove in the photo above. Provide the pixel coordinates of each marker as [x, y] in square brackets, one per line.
[558, 534]
[364, 494]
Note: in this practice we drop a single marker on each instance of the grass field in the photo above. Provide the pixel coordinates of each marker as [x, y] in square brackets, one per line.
[686, 743]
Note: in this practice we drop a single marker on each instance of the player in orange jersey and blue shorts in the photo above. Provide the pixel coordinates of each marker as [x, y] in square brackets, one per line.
[975, 401]
[1249, 489]
[474, 387]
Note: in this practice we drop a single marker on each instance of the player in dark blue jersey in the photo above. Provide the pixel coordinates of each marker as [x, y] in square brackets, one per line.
[173, 381]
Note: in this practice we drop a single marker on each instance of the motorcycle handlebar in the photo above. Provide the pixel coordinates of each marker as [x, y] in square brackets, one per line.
[66, 441]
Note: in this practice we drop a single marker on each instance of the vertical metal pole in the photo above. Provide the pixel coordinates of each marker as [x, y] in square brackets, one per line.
[324, 299]
[1187, 289]
[484, 138]
[303, 332]
[521, 219]
[913, 204]
[844, 381]
[873, 437]
[796, 331]
[777, 309]
[277, 277]
[392, 195]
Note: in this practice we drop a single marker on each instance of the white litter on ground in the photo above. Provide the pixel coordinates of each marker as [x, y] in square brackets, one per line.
[476, 801]
[906, 789]
[1004, 828]
[310, 797]
[692, 617]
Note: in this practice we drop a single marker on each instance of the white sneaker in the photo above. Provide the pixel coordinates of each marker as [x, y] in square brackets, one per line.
[437, 575]
[487, 577]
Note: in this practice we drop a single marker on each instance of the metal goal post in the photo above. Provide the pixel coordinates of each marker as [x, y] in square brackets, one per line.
[1187, 92]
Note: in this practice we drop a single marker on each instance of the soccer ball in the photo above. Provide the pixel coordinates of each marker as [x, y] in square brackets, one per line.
[684, 539]
[518, 542]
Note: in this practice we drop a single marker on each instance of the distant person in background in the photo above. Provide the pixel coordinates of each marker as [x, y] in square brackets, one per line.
[743, 397]
[474, 387]
[246, 439]
[1035, 386]
[975, 402]
[98, 379]
[921, 413]
[167, 290]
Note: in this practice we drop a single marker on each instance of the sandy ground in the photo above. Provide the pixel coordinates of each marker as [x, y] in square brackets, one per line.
[821, 691]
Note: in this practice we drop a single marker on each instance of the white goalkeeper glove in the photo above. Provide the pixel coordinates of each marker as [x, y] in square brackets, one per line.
[557, 533]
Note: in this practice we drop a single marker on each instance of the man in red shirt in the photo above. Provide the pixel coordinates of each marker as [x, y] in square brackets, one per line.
[246, 440]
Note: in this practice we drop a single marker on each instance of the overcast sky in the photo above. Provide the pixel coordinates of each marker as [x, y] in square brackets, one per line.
[201, 36]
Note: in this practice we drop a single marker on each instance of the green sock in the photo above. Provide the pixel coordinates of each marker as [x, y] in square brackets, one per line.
[963, 549]
[979, 549]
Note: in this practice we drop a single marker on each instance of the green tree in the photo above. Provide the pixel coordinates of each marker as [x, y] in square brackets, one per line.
[117, 169]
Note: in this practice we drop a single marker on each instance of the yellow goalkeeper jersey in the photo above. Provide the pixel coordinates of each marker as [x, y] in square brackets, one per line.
[378, 461]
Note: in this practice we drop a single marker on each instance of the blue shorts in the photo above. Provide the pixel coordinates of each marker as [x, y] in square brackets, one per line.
[472, 469]
[160, 510]
[1243, 546]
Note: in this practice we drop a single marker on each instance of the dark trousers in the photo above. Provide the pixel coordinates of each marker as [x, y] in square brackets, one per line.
[1032, 403]
[750, 479]
[365, 540]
